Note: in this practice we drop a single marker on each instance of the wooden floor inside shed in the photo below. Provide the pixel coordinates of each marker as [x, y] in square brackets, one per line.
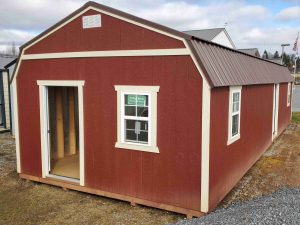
[67, 167]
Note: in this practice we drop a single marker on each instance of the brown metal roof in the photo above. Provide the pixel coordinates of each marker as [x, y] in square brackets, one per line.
[228, 67]
[222, 66]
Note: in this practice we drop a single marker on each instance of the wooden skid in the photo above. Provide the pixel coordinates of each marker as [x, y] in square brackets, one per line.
[132, 200]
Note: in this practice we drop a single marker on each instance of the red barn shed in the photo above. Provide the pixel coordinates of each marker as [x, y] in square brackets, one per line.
[111, 104]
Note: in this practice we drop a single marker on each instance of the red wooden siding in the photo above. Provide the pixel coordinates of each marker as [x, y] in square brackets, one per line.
[284, 112]
[229, 163]
[173, 175]
[114, 34]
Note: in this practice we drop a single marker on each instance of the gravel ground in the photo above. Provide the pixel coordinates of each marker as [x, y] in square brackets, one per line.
[281, 207]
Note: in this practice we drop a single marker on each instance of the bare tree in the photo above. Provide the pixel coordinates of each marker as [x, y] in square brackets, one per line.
[11, 50]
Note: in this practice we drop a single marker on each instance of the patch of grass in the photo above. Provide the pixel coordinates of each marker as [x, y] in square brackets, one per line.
[296, 117]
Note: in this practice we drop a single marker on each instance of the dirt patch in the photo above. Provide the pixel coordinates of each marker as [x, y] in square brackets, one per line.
[24, 202]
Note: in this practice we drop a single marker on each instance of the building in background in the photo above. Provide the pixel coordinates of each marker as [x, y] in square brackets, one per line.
[6, 68]
[251, 51]
[216, 35]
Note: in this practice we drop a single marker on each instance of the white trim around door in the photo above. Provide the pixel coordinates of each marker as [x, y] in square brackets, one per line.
[43, 84]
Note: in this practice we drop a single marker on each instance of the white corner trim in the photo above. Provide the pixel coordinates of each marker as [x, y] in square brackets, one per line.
[68, 83]
[16, 120]
[276, 94]
[205, 137]
[231, 139]
[44, 124]
[152, 131]
[116, 53]
[205, 148]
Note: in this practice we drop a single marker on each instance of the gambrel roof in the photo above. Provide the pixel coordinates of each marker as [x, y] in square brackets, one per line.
[222, 66]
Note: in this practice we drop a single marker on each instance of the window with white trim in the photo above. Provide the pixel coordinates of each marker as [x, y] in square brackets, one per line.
[137, 112]
[289, 94]
[234, 114]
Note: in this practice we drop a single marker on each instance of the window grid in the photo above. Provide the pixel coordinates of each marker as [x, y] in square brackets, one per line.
[235, 113]
[138, 119]
[289, 94]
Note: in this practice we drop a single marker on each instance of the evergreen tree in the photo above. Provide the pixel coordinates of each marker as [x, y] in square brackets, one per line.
[276, 55]
[287, 60]
[265, 55]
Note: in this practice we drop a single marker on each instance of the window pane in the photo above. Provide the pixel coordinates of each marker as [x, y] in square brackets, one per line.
[144, 125]
[143, 137]
[142, 111]
[130, 124]
[236, 97]
[130, 110]
[235, 106]
[142, 100]
[130, 99]
[131, 135]
[235, 125]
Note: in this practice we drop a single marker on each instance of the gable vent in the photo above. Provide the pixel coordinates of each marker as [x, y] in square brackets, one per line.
[91, 21]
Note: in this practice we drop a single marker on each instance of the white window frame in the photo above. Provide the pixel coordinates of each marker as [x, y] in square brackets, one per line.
[151, 91]
[289, 95]
[232, 91]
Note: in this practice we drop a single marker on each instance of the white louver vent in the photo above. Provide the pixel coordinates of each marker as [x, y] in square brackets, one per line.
[91, 21]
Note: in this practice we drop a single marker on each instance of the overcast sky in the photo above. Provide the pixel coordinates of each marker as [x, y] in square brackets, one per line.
[264, 24]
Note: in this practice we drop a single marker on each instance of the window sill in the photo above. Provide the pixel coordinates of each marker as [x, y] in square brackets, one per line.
[233, 139]
[143, 148]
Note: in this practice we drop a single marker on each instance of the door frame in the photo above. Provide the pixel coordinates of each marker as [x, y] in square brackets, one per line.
[43, 84]
[275, 110]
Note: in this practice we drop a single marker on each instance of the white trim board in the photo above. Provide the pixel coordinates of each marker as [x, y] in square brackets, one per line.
[16, 120]
[119, 53]
[205, 148]
[43, 84]
[276, 95]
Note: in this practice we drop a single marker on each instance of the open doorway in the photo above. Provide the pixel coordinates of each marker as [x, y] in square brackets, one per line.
[63, 132]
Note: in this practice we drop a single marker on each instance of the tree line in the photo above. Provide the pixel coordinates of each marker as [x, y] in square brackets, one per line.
[10, 51]
[287, 59]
